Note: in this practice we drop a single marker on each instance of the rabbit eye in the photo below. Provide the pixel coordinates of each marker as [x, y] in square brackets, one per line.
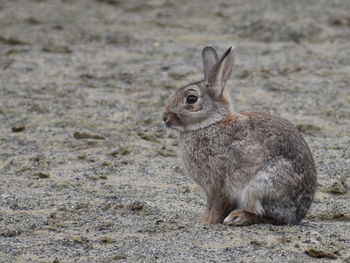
[191, 99]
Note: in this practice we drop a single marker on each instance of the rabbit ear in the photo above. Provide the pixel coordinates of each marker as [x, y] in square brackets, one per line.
[222, 71]
[210, 58]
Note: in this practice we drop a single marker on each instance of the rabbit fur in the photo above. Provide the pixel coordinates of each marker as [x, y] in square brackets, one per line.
[253, 167]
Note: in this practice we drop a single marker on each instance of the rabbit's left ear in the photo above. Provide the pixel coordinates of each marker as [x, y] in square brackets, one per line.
[222, 71]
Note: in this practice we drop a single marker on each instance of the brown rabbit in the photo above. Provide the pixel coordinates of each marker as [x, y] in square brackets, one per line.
[253, 167]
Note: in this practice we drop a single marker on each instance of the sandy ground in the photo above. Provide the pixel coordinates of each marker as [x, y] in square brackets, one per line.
[88, 173]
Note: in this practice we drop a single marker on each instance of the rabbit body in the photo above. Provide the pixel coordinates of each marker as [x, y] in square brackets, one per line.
[254, 162]
[253, 167]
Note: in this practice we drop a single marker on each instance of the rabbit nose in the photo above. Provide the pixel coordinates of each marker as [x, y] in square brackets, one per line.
[166, 117]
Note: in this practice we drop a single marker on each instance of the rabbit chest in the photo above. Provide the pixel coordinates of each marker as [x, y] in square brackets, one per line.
[221, 157]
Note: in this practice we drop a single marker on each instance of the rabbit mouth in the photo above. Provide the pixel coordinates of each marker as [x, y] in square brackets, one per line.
[172, 121]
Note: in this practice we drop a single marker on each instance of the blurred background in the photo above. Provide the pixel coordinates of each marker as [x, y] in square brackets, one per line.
[88, 173]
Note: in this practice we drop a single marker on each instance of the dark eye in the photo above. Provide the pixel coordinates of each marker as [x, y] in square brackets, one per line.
[191, 99]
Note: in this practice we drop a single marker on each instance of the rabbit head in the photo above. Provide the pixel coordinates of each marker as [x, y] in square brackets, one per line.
[205, 102]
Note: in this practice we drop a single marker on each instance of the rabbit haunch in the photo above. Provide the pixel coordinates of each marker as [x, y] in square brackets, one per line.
[253, 167]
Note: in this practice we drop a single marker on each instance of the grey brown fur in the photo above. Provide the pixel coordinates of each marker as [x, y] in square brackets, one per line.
[253, 167]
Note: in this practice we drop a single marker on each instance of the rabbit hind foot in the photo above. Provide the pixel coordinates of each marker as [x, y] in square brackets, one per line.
[244, 218]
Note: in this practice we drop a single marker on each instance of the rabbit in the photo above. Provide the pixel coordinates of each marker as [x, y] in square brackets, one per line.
[253, 167]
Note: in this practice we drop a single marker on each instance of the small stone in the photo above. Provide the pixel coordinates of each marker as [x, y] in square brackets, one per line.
[78, 239]
[340, 21]
[12, 41]
[159, 221]
[285, 239]
[106, 239]
[38, 108]
[319, 253]
[106, 163]
[124, 151]
[57, 49]
[258, 243]
[308, 128]
[166, 152]
[147, 136]
[118, 257]
[83, 156]
[33, 21]
[86, 135]
[12, 51]
[87, 76]
[337, 187]
[136, 206]
[18, 128]
[42, 175]
[10, 233]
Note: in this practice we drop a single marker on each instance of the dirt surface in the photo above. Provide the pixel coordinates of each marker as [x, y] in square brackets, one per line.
[88, 173]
